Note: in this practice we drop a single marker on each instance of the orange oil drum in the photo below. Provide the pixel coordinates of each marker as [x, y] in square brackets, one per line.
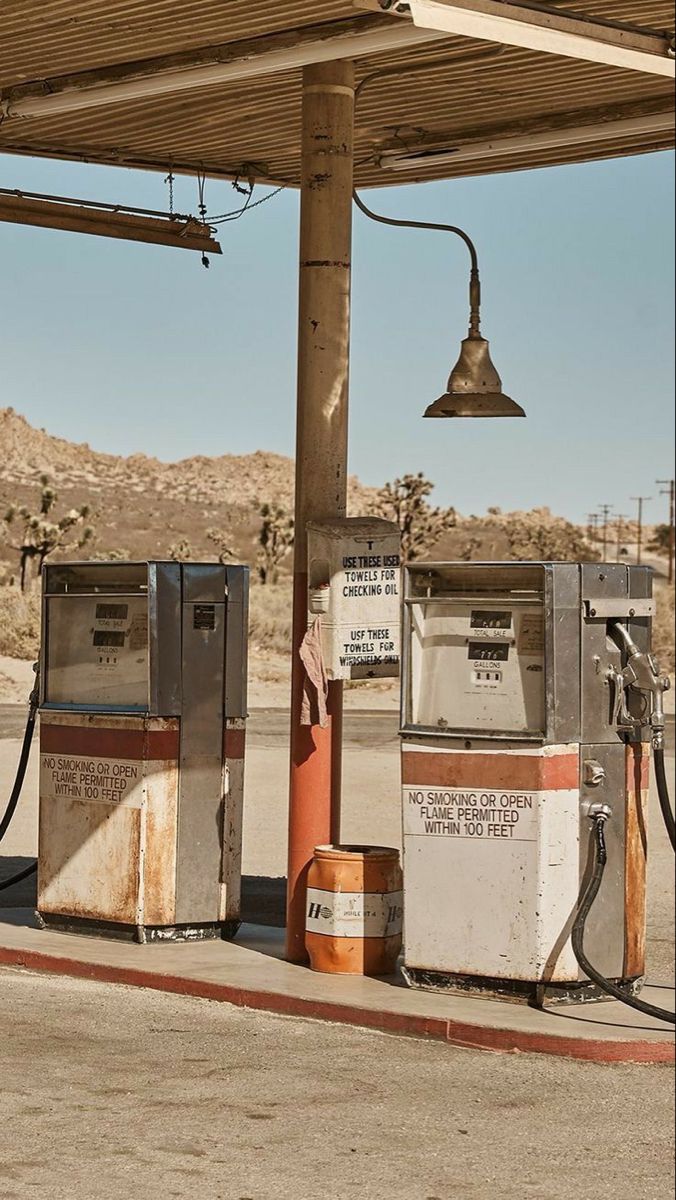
[355, 909]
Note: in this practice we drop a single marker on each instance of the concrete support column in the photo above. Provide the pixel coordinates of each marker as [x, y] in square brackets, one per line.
[321, 451]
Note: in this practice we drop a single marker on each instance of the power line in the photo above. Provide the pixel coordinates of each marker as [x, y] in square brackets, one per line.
[620, 518]
[605, 513]
[640, 500]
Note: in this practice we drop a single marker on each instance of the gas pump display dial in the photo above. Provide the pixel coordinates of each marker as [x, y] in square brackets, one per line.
[491, 652]
[492, 620]
[476, 650]
[97, 651]
[109, 637]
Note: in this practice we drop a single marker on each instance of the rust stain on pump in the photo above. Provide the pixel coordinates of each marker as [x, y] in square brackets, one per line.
[636, 865]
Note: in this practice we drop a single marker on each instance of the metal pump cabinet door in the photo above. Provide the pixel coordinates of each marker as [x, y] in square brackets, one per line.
[142, 748]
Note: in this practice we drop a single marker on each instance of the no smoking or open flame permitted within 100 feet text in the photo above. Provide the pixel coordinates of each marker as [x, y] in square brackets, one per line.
[494, 816]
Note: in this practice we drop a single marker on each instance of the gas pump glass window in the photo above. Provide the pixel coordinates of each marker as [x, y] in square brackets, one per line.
[97, 652]
[477, 649]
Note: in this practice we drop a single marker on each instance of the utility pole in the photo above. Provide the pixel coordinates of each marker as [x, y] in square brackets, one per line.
[605, 513]
[620, 535]
[640, 500]
[593, 527]
[669, 491]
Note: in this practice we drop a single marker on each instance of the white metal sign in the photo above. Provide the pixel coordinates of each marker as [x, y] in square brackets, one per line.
[92, 780]
[477, 815]
[354, 588]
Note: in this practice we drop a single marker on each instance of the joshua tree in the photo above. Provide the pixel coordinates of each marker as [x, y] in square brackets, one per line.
[226, 553]
[470, 548]
[405, 502]
[40, 535]
[180, 551]
[275, 539]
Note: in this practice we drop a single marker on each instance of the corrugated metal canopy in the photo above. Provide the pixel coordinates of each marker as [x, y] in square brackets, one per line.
[231, 128]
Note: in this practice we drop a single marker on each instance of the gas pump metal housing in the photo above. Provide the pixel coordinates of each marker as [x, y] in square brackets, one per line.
[143, 690]
[484, 727]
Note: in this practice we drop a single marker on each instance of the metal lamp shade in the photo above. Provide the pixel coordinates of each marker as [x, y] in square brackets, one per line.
[475, 388]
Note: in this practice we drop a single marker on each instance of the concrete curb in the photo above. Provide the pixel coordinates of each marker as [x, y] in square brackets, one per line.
[454, 1033]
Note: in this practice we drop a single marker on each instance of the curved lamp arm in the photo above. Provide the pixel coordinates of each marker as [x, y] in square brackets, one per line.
[474, 387]
[470, 56]
[475, 281]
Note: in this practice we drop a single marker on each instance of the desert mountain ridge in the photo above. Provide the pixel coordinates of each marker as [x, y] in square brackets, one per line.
[142, 506]
[241, 480]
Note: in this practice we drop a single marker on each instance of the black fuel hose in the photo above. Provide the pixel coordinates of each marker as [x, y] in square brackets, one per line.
[18, 878]
[586, 903]
[20, 774]
[18, 786]
[663, 792]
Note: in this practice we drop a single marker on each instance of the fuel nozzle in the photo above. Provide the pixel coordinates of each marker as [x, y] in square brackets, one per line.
[642, 673]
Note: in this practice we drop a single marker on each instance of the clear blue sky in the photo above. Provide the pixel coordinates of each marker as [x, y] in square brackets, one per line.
[138, 348]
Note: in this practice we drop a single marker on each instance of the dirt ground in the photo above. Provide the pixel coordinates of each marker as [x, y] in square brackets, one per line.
[269, 684]
[109, 1092]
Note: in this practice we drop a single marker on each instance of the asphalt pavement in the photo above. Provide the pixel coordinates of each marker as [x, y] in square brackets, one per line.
[109, 1092]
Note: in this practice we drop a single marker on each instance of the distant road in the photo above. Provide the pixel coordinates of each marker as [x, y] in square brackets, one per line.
[266, 726]
[659, 565]
[270, 727]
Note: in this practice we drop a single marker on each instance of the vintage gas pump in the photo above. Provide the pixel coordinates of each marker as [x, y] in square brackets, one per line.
[142, 731]
[529, 703]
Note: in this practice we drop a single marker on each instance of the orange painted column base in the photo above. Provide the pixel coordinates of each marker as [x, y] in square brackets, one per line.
[316, 768]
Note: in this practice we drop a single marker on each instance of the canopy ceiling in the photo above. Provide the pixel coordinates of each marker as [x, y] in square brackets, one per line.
[252, 126]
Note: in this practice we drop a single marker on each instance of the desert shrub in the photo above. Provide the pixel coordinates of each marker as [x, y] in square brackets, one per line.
[181, 551]
[19, 622]
[663, 633]
[540, 536]
[270, 617]
[660, 542]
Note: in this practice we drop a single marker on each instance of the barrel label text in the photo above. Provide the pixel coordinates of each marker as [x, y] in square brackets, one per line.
[354, 914]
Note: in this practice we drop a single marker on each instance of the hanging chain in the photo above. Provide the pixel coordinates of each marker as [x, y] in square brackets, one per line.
[248, 207]
[170, 181]
[202, 206]
[201, 201]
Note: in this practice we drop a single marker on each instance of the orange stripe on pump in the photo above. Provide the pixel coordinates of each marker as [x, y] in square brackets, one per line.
[543, 773]
[142, 745]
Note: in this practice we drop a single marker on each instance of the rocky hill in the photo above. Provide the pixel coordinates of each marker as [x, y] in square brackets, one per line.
[143, 506]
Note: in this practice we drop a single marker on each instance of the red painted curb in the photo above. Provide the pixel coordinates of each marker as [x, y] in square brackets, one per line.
[455, 1033]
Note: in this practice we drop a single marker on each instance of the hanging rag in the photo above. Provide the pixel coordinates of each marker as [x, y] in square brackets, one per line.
[315, 685]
